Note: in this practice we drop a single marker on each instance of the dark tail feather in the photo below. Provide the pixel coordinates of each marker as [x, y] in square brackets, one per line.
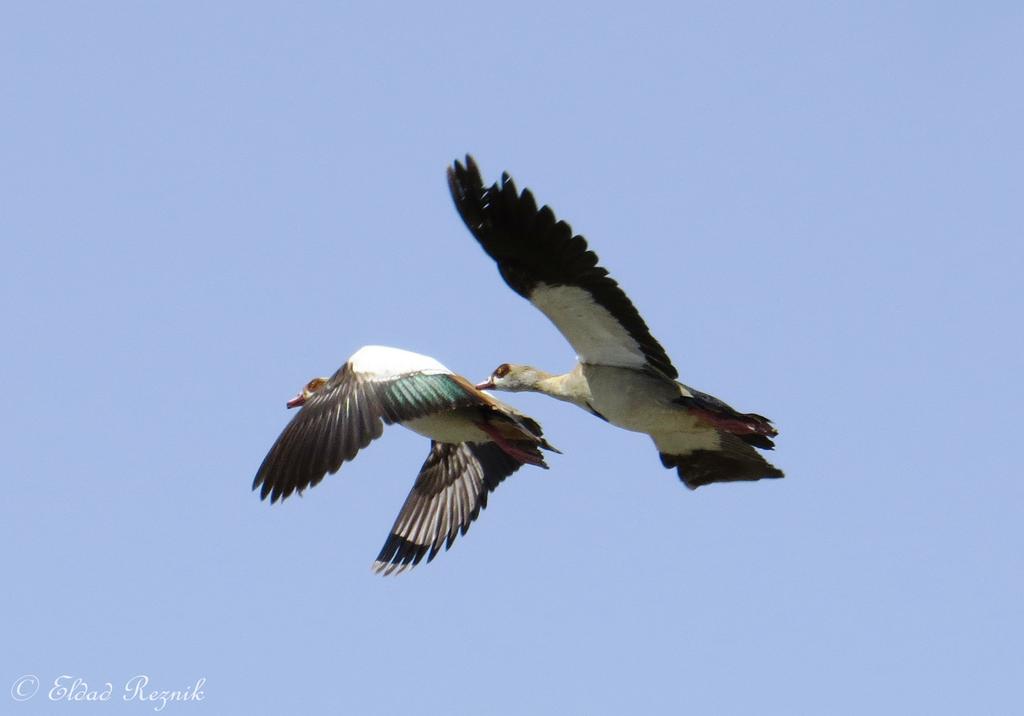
[759, 441]
[724, 417]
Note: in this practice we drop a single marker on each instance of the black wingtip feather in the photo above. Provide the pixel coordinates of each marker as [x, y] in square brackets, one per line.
[399, 554]
[532, 246]
[704, 467]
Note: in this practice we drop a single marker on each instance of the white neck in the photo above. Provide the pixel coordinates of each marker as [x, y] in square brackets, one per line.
[571, 387]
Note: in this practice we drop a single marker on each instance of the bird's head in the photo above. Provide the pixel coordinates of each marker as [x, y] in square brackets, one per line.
[304, 394]
[513, 378]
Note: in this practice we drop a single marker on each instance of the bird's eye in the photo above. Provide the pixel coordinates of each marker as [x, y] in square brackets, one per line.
[315, 385]
[502, 370]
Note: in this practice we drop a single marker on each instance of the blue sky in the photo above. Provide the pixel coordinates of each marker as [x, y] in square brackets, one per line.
[816, 208]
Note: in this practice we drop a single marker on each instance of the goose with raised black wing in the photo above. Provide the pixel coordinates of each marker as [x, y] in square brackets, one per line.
[476, 442]
[623, 375]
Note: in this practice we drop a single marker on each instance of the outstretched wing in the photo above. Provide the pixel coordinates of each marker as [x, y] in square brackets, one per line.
[541, 260]
[449, 493]
[711, 455]
[342, 418]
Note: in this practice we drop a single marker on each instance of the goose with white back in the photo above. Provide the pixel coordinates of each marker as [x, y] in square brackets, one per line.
[476, 442]
[623, 375]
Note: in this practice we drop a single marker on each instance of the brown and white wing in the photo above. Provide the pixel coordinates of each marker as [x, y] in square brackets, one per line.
[710, 455]
[449, 493]
[541, 260]
[342, 418]
[511, 423]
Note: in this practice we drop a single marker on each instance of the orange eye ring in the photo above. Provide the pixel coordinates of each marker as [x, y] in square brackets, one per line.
[314, 385]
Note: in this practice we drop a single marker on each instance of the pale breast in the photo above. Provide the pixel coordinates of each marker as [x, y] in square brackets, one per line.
[453, 426]
[636, 401]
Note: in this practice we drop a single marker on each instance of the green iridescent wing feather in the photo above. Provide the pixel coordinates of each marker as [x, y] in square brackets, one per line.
[343, 417]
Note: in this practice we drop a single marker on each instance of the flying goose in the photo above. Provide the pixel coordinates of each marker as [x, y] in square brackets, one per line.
[623, 375]
[476, 442]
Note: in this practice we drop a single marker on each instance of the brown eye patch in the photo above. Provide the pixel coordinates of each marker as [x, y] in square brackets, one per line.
[502, 370]
[315, 384]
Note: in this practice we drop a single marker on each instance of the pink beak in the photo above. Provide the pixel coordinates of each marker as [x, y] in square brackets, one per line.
[297, 400]
[486, 385]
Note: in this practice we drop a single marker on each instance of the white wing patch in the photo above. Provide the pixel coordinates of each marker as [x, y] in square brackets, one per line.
[384, 363]
[591, 329]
